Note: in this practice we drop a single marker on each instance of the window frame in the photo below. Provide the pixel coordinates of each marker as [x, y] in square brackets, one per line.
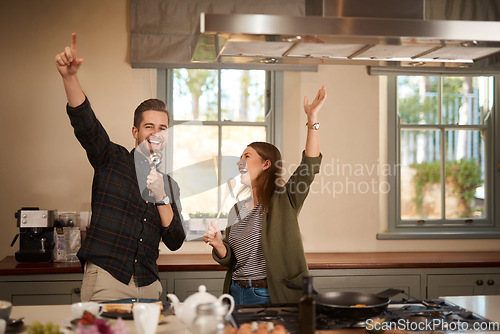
[273, 106]
[396, 230]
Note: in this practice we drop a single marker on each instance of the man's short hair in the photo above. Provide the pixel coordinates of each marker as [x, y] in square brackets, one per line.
[150, 104]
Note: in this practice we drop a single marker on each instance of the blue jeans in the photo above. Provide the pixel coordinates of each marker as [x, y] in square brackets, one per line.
[249, 295]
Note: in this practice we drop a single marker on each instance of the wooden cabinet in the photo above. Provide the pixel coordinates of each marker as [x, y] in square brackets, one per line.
[185, 283]
[460, 284]
[420, 275]
[369, 281]
[51, 289]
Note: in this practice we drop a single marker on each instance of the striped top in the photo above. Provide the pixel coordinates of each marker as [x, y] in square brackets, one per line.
[245, 239]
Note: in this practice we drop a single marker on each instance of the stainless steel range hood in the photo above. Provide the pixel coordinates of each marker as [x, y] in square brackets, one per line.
[392, 39]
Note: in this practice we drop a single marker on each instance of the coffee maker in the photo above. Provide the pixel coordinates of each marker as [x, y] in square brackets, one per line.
[36, 234]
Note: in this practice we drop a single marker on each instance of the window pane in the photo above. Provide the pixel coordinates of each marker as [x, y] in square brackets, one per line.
[243, 95]
[418, 100]
[420, 174]
[216, 96]
[464, 174]
[198, 194]
[236, 138]
[463, 103]
[195, 95]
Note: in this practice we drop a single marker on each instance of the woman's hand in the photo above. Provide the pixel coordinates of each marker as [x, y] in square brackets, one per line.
[67, 62]
[312, 109]
[213, 236]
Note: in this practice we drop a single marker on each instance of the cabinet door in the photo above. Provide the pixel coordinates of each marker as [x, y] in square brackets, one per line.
[186, 287]
[492, 284]
[187, 283]
[41, 293]
[462, 285]
[370, 284]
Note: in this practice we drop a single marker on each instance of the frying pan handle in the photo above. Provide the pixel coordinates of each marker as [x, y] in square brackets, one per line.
[290, 285]
[388, 293]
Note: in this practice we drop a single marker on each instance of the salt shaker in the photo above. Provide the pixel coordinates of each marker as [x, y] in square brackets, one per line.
[210, 318]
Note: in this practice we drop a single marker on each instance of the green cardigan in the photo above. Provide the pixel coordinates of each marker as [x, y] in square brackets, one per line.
[281, 239]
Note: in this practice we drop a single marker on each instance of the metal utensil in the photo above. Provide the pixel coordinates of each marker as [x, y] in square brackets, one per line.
[155, 158]
[229, 190]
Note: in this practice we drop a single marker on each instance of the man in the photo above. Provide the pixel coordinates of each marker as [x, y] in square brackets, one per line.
[120, 250]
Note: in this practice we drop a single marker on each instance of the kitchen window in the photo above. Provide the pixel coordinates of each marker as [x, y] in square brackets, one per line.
[442, 134]
[215, 114]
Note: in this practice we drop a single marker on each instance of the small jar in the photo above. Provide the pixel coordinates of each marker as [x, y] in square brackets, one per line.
[210, 318]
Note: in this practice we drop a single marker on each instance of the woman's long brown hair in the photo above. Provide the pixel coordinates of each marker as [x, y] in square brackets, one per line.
[270, 179]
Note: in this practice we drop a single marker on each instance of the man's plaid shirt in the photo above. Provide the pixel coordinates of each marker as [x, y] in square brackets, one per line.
[125, 231]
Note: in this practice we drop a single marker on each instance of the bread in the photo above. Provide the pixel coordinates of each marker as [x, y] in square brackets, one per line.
[123, 307]
[117, 308]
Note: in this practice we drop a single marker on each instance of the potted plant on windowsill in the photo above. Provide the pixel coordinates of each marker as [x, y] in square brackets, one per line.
[199, 221]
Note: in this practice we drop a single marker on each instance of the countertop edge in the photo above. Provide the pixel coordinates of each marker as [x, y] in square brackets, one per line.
[361, 260]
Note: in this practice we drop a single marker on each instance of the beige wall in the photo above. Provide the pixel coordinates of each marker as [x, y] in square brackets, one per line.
[43, 164]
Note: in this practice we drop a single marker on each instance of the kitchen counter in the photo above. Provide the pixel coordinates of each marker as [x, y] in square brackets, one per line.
[204, 262]
[61, 314]
[487, 306]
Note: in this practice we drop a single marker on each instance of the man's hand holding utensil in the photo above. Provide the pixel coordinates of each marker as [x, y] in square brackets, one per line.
[154, 183]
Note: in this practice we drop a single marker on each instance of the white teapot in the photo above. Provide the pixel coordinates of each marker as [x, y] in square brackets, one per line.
[187, 311]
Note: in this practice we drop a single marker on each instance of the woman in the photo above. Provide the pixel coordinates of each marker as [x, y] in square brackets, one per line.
[263, 249]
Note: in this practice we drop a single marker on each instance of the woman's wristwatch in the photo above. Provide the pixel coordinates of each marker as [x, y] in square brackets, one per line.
[314, 126]
[164, 201]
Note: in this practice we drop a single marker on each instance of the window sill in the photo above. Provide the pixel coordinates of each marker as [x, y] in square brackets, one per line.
[437, 235]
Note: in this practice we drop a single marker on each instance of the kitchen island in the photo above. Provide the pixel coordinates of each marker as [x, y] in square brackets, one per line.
[61, 315]
[419, 274]
[487, 306]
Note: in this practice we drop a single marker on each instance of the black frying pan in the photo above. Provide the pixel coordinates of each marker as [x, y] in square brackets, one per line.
[343, 304]
[352, 305]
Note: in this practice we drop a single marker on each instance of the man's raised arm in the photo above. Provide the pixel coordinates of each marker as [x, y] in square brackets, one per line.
[68, 63]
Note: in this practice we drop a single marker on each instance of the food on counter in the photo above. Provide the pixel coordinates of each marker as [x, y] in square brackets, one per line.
[124, 307]
[279, 329]
[89, 324]
[259, 328]
[87, 319]
[245, 329]
[264, 328]
[118, 308]
[49, 328]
